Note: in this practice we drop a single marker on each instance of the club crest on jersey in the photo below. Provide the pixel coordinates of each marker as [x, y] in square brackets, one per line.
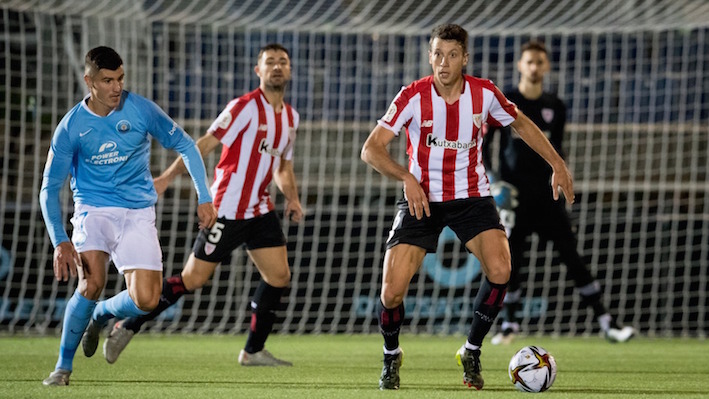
[547, 115]
[390, 113]
[265, 148]
[478, 120]
[209, 248]
[123, 126]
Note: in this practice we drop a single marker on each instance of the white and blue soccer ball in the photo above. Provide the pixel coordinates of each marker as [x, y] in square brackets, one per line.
[504, 194]
[532, 369]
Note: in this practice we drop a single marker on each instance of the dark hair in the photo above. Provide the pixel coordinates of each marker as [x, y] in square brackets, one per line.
[101, 57]
[534, 45]
[272, 46]
[450, 32]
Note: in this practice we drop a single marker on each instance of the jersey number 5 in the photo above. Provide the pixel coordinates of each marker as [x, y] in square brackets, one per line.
[215, 234]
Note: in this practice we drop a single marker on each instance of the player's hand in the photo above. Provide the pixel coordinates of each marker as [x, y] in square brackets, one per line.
[161, 183]
[561, 180]
[207, 215]
[418, 201]
[294, 211]
[66, 260]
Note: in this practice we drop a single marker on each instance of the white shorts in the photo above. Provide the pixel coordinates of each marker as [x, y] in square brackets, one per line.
[129, 236]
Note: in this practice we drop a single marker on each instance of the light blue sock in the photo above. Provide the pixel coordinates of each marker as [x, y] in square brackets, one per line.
[120, 306]
[76, 318]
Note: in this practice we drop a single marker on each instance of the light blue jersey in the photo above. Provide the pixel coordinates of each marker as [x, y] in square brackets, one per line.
[108, 158]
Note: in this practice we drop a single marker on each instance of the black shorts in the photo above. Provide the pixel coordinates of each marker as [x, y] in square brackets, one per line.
[466, 217]
[217, 243]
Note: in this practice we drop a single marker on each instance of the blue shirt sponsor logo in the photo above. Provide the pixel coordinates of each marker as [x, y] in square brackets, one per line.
[108, 154]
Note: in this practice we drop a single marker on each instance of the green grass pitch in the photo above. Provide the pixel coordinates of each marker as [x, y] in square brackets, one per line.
[348, 366]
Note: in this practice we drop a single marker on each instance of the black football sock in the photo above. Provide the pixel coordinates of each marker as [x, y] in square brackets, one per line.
[487, 305]
[591, 297]
[390, 321]
[172, 290]
[511, 305]
[263, 306]
[594, 301]
[510, 311]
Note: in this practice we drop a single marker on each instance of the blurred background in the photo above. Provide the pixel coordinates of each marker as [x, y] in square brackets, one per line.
[634, 75]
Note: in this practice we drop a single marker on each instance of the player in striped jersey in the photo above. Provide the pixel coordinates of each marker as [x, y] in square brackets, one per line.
[445, 185]
[256, 132]
[537, 211]
[104, 143]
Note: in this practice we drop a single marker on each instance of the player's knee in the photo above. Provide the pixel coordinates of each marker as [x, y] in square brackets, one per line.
[391, 299]
[284, 277]
[194, 281]
[147, 303]
[90, 289]
[498, 272]
[499, 276]
[279, 278]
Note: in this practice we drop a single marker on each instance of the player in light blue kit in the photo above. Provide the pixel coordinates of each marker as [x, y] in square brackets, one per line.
[104, 143]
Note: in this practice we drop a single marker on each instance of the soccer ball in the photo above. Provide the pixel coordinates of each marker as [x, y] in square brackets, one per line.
[532, 369]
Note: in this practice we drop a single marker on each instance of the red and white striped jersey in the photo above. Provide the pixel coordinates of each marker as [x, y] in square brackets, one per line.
[444, 141]
[254, 140]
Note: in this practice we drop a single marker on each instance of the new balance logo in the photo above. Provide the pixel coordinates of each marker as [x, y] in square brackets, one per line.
[262, 128]
[427, 123]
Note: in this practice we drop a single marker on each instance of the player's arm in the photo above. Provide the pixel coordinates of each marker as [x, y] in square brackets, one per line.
[192, 161]
[56, 170]
[376, 154]
[286, 182]
[171, 136]
[561, 177]
[205, 144]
